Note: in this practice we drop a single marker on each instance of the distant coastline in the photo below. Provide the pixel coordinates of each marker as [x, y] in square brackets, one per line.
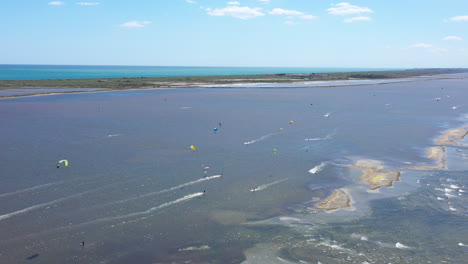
[34, 87]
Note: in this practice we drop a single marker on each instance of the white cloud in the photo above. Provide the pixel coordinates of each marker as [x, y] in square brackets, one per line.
[290, 23]
[190, 1]
[135, 24]
[459, 18]
[88, 3]
[308, 17]
[265, 1]
[421, 46]
[359, 18]
[348, 9]
[56, 3]
[453, 38]
[280, 11]
[233, 3]
[285, 12]
[242, 12]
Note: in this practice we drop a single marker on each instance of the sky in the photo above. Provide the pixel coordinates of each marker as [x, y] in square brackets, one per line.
[257, 33]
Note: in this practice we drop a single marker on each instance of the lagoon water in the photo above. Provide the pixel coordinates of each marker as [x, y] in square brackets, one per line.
[134, 191]
[36, 72]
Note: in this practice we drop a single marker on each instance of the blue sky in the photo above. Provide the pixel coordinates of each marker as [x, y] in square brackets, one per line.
[293, 33]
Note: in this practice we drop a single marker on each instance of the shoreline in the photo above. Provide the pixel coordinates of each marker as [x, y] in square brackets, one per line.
[177, 86]
[278, 81]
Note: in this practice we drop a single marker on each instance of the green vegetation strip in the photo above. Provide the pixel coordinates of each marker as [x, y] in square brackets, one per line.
[193, 81]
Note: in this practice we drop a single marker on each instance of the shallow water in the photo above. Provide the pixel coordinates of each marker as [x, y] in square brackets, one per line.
[133, 191]
[31, 91]
[36, 72]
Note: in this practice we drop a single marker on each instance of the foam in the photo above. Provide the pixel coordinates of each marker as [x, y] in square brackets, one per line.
[318, 168]
[114, 135]
[401, 246]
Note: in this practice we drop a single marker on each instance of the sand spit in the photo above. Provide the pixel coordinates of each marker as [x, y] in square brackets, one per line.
[453, 137]
[375, 175]
[435, 153]
[339, 199]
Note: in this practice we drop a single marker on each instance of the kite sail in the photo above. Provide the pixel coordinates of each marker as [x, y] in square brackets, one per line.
[65, 162]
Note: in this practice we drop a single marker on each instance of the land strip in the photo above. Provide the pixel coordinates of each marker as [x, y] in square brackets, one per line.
[197, 81]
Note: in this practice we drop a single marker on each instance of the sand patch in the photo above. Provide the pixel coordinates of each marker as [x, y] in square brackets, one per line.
[375, 175]
[453, 137]
[435, 153]
[338, 199]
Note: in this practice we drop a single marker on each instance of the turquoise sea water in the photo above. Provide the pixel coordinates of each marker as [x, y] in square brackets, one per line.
[134, 191]
[33, 72]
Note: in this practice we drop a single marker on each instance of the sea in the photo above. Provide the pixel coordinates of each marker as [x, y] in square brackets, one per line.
[135, 191]
[36, 72]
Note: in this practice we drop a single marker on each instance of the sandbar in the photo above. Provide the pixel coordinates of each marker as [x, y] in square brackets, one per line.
[375, 175]
[338, 199]
[437, 154]
[453, 137]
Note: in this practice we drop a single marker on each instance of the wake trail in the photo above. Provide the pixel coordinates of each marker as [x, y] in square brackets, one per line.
[31, 189]
[54, 202]
[39, 206]
[259, 139]
[108, 219]
[149, 211]
[265, 186]
[327, 137]
[162, 191]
